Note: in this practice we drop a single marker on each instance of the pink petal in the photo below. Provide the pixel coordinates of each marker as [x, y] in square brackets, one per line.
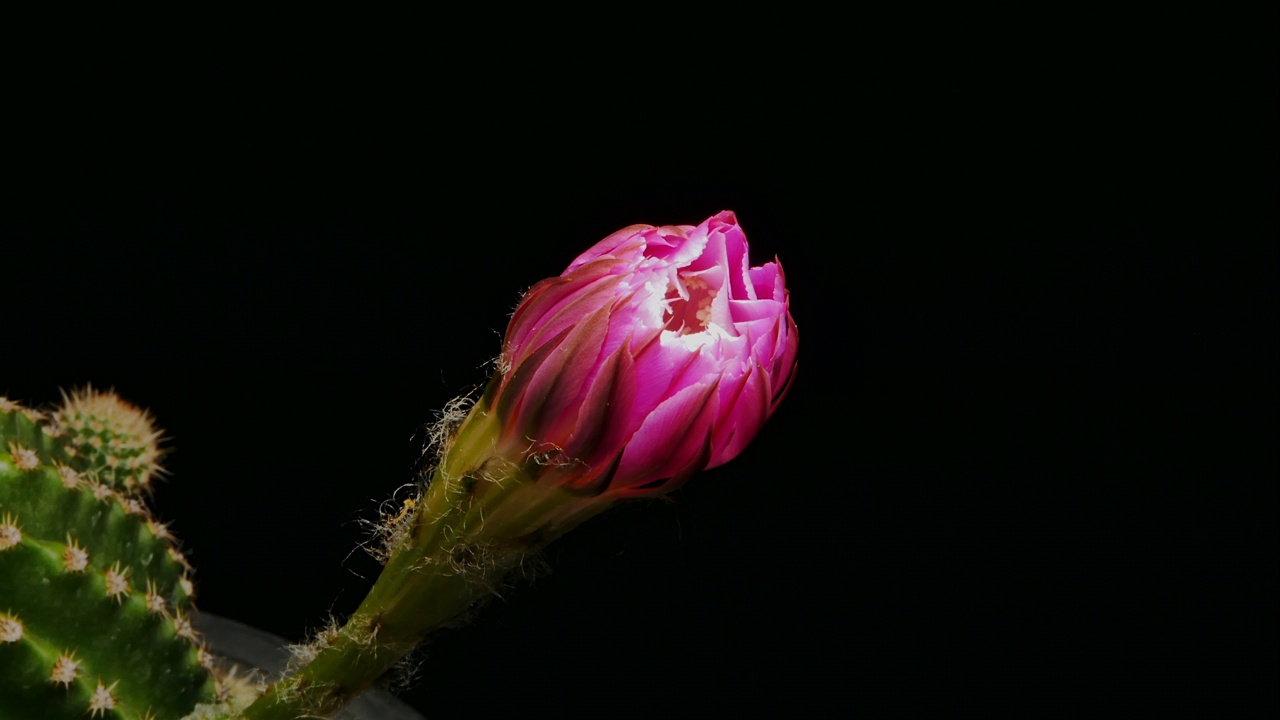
[735, 242]
[679, 476]
[729, 395]
[746, 418]
[781, 393]
[663, 368]
[556, 389]
[670, 436]
[622, 244]
[513, 401]
[768, 281]
[675, 245]
[603, 422]
[547, 298]
[594, 480]
[747, 310]
[784, 358]
[568, 312]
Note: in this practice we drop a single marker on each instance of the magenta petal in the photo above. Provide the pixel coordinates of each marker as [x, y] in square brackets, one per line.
[735, 243]
[532, 306]
[676, 246]
[620, 244]
[693, 467]
[557, 309]
[624, 324]
[713, 253]
[670, 435]
[765, 344]
[767, 281]
[784, 357]
[662, 369]
[678, 476]
[658, 352]
[748, 310]
[595, 480]
[781, 393]
[542, 301]
[514, 402]
[604, 420]
[747, 417]
[725, 420]
[558, 385]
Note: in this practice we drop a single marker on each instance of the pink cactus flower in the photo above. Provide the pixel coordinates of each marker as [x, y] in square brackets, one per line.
[658, 353]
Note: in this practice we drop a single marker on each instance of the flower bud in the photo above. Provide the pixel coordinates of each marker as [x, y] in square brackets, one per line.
[659, 352]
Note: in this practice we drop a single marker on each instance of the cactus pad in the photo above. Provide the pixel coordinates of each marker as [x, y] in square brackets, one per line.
[94, 594]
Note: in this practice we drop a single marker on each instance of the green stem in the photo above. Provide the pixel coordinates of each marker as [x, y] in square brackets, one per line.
[419, 589]
[422, 587]
[468, 532]
[401, 608]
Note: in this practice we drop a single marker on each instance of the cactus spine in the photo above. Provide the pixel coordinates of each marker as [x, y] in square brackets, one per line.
[95, 597]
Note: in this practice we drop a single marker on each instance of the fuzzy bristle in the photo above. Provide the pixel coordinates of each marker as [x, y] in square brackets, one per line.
[155, 601]
[10, 533]
[74, 557]
[182, 627]
[10, 628]
[25, 458]
[117, 580]
[65, 669]
[70, 478]
[102, 700]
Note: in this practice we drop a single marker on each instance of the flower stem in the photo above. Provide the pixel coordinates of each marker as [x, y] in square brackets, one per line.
[403, 605]
[479, 518]
[421, 588]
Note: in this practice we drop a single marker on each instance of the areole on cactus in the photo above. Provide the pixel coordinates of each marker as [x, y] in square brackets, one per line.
[659, 352]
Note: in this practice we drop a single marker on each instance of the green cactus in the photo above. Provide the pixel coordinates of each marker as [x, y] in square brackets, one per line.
[95, 597]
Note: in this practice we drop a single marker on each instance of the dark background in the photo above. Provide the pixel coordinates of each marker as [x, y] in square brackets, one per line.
[1029, 461]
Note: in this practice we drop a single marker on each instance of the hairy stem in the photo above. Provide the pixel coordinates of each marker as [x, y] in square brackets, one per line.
[430, 577]
[480, 517]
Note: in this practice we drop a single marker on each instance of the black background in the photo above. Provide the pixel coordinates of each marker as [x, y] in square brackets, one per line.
[1029, 461]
